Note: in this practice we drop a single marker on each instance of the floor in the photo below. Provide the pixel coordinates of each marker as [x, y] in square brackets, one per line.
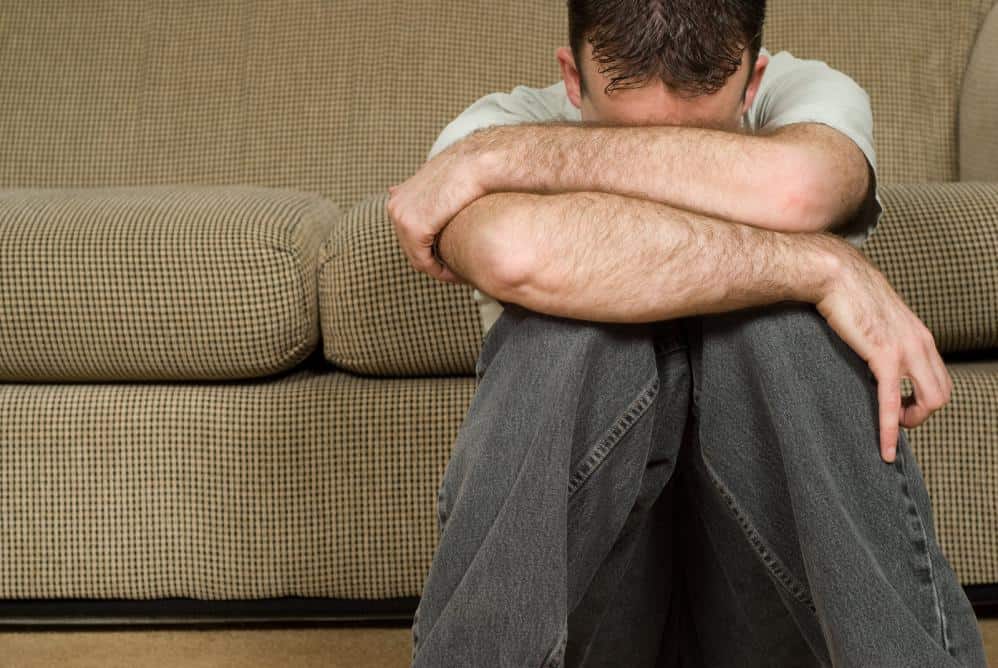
[328, 647]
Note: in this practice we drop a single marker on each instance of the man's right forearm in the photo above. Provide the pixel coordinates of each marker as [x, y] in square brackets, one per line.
[604, 257]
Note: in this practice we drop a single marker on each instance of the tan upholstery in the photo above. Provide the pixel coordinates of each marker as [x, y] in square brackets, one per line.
[956, 451]
[938, 245]
[382, 317]
[341, 97]
[158, 283]
[260, 92]
[979, 107]
[251, 479]
[909, 55]
[314, 483]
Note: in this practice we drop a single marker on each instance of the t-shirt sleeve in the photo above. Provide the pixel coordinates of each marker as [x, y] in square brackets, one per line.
[795, 90]
[521, 105]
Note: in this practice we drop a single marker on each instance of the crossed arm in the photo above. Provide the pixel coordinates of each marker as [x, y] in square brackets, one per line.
[621, 239]
[606, 257]
[573, 222]
[801, 177]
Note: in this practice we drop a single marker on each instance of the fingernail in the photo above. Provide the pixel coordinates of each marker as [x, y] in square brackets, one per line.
[890, 454]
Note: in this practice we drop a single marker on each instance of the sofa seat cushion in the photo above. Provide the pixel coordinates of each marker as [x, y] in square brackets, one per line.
[955, 449]
[313, 482]
[158, 283]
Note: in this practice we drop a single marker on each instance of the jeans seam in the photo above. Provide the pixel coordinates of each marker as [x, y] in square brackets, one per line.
[599, 452]
[940, 614]
[771, 560]
[555, 657]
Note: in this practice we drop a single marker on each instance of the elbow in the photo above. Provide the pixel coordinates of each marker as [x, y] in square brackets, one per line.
[808, 199]
[507, 269]
[507, 262]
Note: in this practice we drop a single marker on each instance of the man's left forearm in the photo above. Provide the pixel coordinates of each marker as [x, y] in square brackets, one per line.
[606, 257]
[804, 177]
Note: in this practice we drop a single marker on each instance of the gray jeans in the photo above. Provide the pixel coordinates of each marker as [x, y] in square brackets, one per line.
[783, 540]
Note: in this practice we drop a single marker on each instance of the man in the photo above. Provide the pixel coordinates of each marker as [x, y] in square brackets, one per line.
[663, 247]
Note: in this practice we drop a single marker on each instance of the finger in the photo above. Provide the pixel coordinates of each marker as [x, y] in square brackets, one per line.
[913, 409]
[412, 263]
[928, 394]
[426, 256]
[933, 360]
[889, 398]
[447, 275]
[939, 368]
[942, 375]
[408, 256]
[925, 401]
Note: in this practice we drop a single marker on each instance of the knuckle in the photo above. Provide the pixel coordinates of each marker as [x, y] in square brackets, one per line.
[933, 399]
[915, 342]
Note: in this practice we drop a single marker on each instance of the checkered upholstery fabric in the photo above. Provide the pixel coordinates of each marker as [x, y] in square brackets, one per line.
[276, 93]
[909, 56]
[314, 483]
[341, 97]
[317, 481]
[978, 115]
[158, 283]
[938, 245]
[955, 449]
[380, 316]
[310, 483]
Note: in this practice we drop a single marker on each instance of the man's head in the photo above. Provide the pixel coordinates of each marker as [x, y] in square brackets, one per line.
[664, 62]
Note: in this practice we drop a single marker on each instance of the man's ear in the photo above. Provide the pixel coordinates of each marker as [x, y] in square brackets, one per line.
[754, 80]
[570, 73]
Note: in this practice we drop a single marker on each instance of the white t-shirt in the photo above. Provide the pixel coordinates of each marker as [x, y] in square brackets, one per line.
[793, 90]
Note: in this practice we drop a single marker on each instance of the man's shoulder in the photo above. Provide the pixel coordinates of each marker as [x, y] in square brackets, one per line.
[785, 63]
[794, 87]
[549, 102]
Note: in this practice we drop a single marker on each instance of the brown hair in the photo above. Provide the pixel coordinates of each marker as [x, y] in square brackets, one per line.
[694, 46]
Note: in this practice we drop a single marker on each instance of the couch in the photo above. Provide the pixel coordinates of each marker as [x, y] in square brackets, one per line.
[223, 390]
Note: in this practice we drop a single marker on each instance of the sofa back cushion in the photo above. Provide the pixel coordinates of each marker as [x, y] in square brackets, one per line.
[379, 316]
[339, 97]
[978, 147]
[158, 282]
[909, 56]
[346, 97]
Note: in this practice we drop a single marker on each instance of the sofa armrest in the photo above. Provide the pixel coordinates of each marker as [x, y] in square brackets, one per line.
[158, 283]
[938, 245]
[380, 316]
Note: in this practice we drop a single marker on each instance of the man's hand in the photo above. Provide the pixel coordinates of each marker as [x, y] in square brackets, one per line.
[866, 312]
[422, 205]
